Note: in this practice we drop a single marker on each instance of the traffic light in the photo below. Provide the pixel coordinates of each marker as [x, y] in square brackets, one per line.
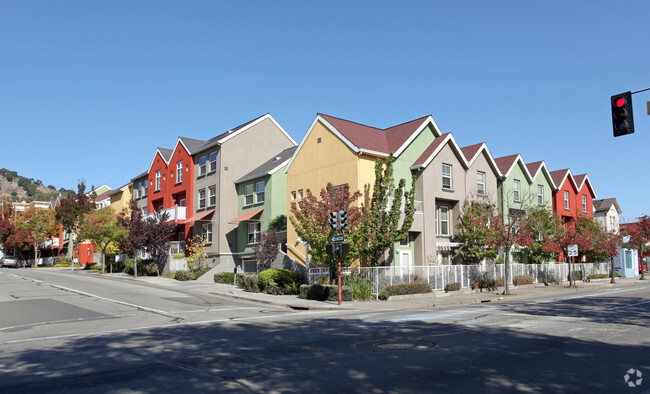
[343, 220]
[622, 118]
[334, 220]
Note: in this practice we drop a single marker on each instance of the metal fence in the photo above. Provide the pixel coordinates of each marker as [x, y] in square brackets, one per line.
[438, 276]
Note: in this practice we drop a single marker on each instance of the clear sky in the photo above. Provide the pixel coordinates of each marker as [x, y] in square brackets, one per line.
[90, 89]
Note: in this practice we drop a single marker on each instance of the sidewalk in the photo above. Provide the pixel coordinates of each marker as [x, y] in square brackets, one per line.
[417, 301]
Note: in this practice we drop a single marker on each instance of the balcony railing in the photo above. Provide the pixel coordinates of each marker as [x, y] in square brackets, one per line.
[418, 205]
[175, 213]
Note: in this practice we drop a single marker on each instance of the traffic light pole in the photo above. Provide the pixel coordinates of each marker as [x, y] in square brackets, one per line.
[340, 284]
[639, 91]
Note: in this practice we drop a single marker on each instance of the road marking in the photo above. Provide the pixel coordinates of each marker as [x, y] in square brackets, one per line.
[627, 306]
[58, 321]
[124, 330]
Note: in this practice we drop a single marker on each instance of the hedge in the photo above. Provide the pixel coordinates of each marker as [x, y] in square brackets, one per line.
[404, 289]
[452, 287]
[522, 280]
[325, 292]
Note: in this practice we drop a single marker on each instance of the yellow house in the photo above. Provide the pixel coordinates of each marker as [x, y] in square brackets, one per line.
[121, 198]
[342, 152]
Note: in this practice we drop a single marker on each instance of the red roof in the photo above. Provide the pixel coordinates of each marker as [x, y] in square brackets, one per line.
[373, 139]
[559, 175]
[471, 151]
[506, 162]
[534, 167]
[429, 151]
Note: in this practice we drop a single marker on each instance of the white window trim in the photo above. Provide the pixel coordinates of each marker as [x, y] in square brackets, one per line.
[213, 163]
[257, 230]
[540, 194]
[257, 193]
[212, 195]
[203, 165]
[249, 191]
[516, 190]
[158, 181]
[201, 198]
[179, 172]
[566, 201]
[584, 203]
[480, 185]
[444, 208]
[206, 232]
[451, 184]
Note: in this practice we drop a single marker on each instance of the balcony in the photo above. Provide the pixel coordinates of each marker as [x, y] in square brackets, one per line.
[175, 214]
[419, 205]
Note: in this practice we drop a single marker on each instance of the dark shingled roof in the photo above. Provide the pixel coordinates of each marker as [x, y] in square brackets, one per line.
[268, 165]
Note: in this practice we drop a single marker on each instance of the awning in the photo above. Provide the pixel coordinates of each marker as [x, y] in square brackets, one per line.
[199, 216]
[246, 216]
[448, 245]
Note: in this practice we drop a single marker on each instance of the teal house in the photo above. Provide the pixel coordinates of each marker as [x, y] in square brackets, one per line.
[261, 197]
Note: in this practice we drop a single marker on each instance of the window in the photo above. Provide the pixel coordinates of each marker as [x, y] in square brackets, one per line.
[540, 194]
[201, 198]
[446, 176]
[138, 191]
[300, 194]
[179, 172]
[259, 191]
[145, 211]
[212, 196]
[584, 203]
[253, 232]
[158, 180]
[248, 194]
[480, 182]
[213, 161]
[515, 190]
[293, 195]
[206, 232]
[146, 189]
[444, 258]
[566, 200]
[202, 165]
[444, 220]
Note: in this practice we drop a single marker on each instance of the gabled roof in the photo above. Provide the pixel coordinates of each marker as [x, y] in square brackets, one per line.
[270, 166]
[434, 148]
[120, 189]
[165, 154]
[102, 197]
[224, 137]
[559, 176]
[371, 140]
[583, 179]
[507, 163]
[605, 204]
[472, 152]
[539, 166]
[191, 145]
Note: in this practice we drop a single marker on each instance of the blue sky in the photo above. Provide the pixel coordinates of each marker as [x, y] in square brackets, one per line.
[90, 89]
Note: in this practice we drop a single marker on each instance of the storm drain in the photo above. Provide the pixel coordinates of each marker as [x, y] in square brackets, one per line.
[386, 346]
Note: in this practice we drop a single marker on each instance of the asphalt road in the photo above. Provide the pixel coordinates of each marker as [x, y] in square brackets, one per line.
[73, 333]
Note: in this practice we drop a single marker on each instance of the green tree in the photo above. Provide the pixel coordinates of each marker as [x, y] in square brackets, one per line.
[541, 223]
[197, 253]
[381, 228]
[102, 229]
[473, 232]
[72, 209]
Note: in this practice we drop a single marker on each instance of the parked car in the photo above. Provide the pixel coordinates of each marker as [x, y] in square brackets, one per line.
[9, 261]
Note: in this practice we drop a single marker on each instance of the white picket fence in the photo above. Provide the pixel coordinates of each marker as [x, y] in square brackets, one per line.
[438, 276]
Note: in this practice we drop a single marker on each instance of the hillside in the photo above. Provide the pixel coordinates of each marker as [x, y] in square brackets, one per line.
[19, 188]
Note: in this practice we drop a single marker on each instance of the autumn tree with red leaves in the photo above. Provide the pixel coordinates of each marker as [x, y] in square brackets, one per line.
[563, 236]
[36, 226]
[310, 219]
[639, 235]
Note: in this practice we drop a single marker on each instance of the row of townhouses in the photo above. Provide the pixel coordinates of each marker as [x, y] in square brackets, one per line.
[230, 187]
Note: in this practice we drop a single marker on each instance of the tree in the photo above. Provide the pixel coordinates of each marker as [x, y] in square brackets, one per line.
[509, 233]
[310, 219]
[473, 232]
[135, 238]
[72, 209]
[158, 231]
[563, 236]
[639, 235]
[102, 229]
[197, 253]
[267, 249]
[541, 223]
[381, 227]
[609, 243]
[37, 225]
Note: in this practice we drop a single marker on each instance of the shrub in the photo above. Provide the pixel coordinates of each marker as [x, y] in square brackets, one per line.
[405, 289]
[274, 289]
[484, 283]
[286, 279]
[498, 282]
[62, 264]
[325, 292]
[452, 287]
[249, 282]
[360, 286]
[93, 267]
[602, 276]
[198, 273]
[522, 280]
[179, 256]
[184, 275]
[145, 267]
[225, 277]
[577, 275]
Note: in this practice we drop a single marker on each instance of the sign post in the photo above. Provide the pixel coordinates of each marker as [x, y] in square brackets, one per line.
[572, 253]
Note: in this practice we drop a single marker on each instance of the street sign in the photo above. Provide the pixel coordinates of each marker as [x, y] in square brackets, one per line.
[573, 250]
[337, 239]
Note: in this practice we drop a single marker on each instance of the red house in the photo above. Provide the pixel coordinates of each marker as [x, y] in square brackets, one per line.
[564, 197]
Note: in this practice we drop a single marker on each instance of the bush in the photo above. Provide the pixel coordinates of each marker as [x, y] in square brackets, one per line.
[325, 292]
[184, 275]
[249, 282]
[498, 282]
[577, 275]
[63, 264]
[602, 276]
[145, 267]
[452, 287]
[405, 289]
[93, 267]
[179, 256]
[289, 280]
[522, 280]
[484, 283]
[360, 286]
[225, 277]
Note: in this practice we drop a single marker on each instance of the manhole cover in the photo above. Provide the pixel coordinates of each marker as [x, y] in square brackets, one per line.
[415, 345]
[394, 346]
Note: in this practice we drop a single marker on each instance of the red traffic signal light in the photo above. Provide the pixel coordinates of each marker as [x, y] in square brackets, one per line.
[622, 119]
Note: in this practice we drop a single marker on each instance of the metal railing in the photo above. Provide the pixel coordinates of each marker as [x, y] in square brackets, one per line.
[438, 276]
